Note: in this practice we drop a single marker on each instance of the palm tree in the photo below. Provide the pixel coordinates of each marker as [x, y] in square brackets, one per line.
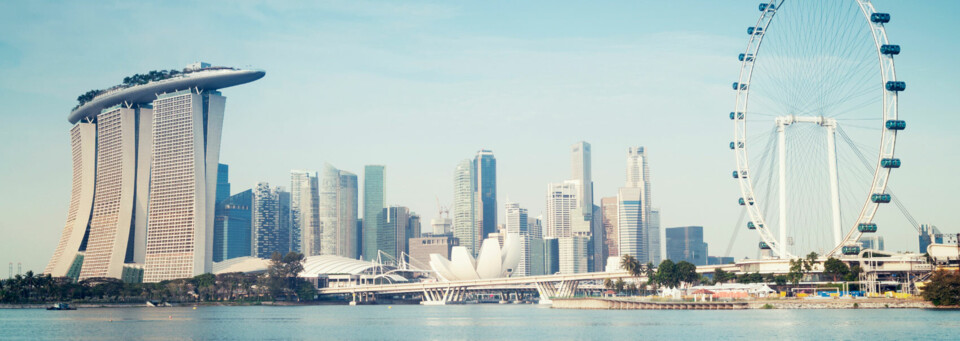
[631, 265]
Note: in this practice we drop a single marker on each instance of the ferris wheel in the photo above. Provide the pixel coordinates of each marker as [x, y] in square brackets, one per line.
[817, 110]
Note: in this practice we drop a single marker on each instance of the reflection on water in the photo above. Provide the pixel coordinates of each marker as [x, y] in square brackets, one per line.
[469, 322]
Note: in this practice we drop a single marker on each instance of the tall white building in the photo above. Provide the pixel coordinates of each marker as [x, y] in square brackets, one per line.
[535, 226]
[304, 212]
[639, 228]
[562, 205]
[516, 218]
[574, 254]
[338, 202]
[465, 207]
[145, 157]
[630, 223]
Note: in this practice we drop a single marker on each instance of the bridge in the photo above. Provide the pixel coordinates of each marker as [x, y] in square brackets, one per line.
[453, 292]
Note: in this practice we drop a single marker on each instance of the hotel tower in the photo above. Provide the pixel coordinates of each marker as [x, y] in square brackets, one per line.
[145, 157]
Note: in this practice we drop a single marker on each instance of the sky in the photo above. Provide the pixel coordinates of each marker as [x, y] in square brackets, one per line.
[420, 85]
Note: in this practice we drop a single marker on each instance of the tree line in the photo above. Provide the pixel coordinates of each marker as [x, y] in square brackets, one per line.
[280, 282]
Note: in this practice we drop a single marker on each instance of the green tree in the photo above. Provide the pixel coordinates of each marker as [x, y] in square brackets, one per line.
[631, 265]
[853, 274]
[666, 275]
[283, 271]
[835, 268]
[720, 276]
[687, 272]
[943, 288]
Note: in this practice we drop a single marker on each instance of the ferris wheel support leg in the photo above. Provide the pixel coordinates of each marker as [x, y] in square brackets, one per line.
[834, 181]
[782, 149]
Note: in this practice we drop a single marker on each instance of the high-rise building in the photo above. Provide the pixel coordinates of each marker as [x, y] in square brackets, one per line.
[517, 219]
[236, 220]
[392, 236]
[413, 226]
[581, 171]
[270, 231]
[562, 201]
[465, 227]
[441, 225]
[638, 176]
[535, 226]
[656, 249]
[609, 206]
[349, 235]
[338, 212]
[551, 255]
[630, 223]
[573, 253]
[145, 159]
[598, 253]
[223, 193]
[304, 212]
[374, 195]
[686, 244]
[485, 169]
[533, 257]
[711, 260]
[872, 242]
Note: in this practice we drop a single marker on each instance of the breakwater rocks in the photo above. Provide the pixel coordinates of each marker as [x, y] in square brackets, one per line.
[615, 303]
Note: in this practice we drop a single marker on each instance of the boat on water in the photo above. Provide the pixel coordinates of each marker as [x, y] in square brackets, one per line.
[61, 306]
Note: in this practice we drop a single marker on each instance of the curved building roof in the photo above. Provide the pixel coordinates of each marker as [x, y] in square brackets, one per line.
[206, 79]
[313, 266]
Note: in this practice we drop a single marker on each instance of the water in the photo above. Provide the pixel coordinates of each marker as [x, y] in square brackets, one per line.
[486, 321]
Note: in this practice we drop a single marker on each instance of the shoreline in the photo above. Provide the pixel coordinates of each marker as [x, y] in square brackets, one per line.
[599, 303]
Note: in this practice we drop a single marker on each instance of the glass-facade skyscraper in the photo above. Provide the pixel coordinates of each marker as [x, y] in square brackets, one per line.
[465, 227]
[686, 244]
[349, 224]
[338, 212]
[270, 230]
[374, 196]
[304, 212]
[236, 221]
[485, 169]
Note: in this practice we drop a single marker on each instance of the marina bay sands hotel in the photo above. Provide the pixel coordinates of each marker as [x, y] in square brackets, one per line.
[145, 156]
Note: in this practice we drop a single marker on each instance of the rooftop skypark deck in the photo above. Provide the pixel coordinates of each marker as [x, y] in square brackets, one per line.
[205, 78]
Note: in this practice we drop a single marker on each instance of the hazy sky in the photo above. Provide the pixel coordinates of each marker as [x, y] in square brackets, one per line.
[419, 86]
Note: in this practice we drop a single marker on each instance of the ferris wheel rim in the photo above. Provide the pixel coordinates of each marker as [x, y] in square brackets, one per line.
[887, 141]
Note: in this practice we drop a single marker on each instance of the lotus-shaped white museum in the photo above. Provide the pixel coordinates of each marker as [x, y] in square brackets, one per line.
[493, 262]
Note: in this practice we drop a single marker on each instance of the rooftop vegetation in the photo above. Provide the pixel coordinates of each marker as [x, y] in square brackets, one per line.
[137, 79]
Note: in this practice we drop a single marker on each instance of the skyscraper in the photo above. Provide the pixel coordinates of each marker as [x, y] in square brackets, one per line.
[304, 212]
[223, 193]
[638, 176]
[516, 218]
[394, 231]
[374, 195]
[236, 220]
[270, 232]
[630, 223]
[348, 236]
[485, 169]
[535, 226]
[464, 207]
[686, 244]
[562, 206]
[656, 248]
[609, 206]
[581, 171]
[145, 159]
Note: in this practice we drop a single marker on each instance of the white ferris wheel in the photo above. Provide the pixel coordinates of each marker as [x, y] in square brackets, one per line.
[817, 110]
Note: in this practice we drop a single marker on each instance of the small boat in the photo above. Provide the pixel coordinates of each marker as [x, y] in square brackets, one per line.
[61, 306]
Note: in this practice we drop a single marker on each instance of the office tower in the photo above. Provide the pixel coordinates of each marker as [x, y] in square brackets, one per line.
[392, 236]
[223, 192]
[574, 256]
[422, 247]
[359, 233]
[145, 169]
[413, 226]
[534, 257]
[304, 212]
[638, 176]
[535, 227]
[236, 221]
[562, 201]
[598, 253]
[338, 208]
[349, 239]
[270, 231]
[374, 194]
[284, 209]
[581, 171]
[551, 256]
[465, 227]
[872, 242]
[517, 219]
[686, 244]
[656, 248]
[485, 169]
[630, 223]
[609, 206]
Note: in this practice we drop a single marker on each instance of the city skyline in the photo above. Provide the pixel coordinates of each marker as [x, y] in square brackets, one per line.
[692, 176]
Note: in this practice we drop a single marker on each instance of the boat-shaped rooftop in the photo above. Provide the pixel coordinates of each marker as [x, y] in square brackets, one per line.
[210, 78]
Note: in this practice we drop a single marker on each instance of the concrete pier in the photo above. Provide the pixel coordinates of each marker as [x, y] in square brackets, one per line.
[613, 303]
